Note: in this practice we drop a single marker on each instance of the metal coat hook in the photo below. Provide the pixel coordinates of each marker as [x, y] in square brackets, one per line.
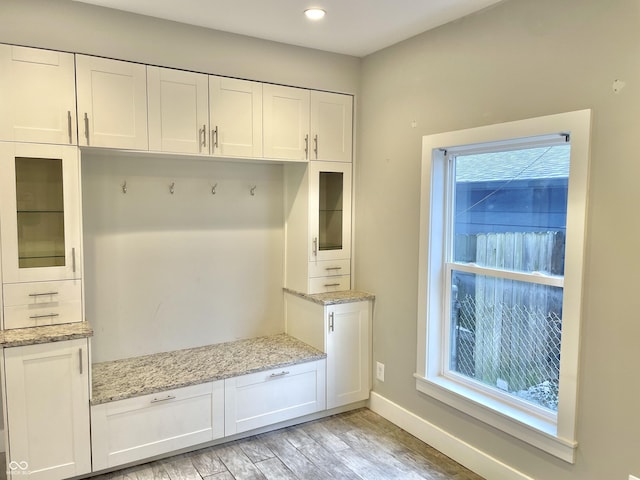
[213, 189]
[124, 187]
[171, 188]
[252, 190]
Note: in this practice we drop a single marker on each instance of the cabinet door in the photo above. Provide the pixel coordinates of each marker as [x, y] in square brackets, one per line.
[347, 353]
[265, 398]
[47, 405]
[286, 122]
[129, 430]
[236, 117]
[39, 212]
[37, 96]
[178, 111]
[329, 211]
[112, 103]
[331, 126]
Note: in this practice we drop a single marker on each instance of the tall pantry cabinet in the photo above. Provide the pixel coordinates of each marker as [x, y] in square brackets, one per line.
[45, 386]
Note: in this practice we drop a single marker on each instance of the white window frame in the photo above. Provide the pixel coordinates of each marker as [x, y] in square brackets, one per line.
[555, 434]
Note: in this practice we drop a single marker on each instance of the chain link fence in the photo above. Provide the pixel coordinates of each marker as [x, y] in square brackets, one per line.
[519, 353]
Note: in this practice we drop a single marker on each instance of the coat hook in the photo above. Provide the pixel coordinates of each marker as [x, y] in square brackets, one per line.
[171, 187]
[124, 187]
[252, 190]
[213, 189]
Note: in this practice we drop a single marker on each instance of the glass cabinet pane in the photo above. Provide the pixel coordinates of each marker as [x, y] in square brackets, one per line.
[331, 211]
[40, 212]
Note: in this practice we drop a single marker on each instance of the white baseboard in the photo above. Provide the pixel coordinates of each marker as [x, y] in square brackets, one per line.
[463, 453]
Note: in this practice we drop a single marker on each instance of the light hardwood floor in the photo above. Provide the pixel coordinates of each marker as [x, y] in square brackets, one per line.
[354, 445]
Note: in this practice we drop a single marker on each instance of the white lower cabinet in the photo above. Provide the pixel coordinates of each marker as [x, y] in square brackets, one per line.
[342, 331]
[272, 396]
[129, 430]
[46, 388]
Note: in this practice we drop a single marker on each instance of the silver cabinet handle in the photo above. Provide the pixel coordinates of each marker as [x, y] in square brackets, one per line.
[73, 259]
[306, 146]
[281, 374]
[80, 358]
[86, 127]
[163, 399]
[315, 246]
[43, 294]
[69, 126]
[333, 268]
[331, 284]
[331, 323]
[45, 315]
[214, 137]
[315, 145]
[204, 136]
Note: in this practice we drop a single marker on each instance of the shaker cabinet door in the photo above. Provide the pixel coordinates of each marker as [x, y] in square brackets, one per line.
[37, 96]
[112, 103]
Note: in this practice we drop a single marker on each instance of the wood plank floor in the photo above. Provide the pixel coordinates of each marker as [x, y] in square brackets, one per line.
[353, 445]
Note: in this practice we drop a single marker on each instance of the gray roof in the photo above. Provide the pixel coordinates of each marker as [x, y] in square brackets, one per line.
[528, 164]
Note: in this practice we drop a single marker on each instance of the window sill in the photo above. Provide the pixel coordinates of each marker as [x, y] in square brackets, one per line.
[534, 430]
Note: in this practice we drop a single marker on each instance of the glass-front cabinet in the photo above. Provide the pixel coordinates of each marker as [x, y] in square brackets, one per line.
[39, 214]
[330, 209]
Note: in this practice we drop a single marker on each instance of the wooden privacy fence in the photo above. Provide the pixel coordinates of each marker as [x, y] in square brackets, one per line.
[507, 333]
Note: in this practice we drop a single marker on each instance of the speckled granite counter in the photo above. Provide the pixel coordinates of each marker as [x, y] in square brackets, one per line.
[18, 337]
[137, 376]
[333, 298]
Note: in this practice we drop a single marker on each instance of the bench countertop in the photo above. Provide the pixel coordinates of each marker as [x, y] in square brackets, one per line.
[132, 377]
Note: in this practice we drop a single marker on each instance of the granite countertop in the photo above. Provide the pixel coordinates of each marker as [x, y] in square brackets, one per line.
[17, 337]
[333, 298]
[132, 377]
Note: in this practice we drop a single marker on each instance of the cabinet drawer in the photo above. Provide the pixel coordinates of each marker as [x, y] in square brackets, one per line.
[137, 428]
[42, 303]
[329, 268]
[329, 284]
[265, 398]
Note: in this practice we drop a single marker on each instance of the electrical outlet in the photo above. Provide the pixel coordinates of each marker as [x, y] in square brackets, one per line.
[380, 371]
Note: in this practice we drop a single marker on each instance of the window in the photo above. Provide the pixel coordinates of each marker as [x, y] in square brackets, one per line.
[501, 251]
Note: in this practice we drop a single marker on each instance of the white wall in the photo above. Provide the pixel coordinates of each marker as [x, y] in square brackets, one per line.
[168, 271]
[517, 60]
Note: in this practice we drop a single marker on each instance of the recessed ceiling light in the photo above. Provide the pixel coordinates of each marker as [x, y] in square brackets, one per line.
[314, 13]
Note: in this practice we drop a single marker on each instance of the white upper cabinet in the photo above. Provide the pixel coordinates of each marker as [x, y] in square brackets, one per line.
[286, 122]
[236, 117]
[112, 103]
[331, 127]
[178, 104]
[39, 212]
[37, 96]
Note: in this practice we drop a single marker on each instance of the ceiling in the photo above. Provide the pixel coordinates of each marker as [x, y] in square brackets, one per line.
[351, 27]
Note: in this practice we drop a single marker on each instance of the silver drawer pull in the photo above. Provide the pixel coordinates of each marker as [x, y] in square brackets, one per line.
[163, 399]
[281, 374]
[44, 294]
[48, 315]
[331, 284]
[333, 268]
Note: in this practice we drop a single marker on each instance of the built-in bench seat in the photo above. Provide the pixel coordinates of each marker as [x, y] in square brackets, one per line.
[155, 404]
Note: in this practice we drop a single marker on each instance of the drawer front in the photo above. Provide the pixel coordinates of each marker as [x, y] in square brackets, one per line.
[330, 284]
[329, 268]
[42, 303]
[265, 398]
[137, 428]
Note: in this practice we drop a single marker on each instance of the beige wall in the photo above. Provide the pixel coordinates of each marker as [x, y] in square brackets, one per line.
[520, 59]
